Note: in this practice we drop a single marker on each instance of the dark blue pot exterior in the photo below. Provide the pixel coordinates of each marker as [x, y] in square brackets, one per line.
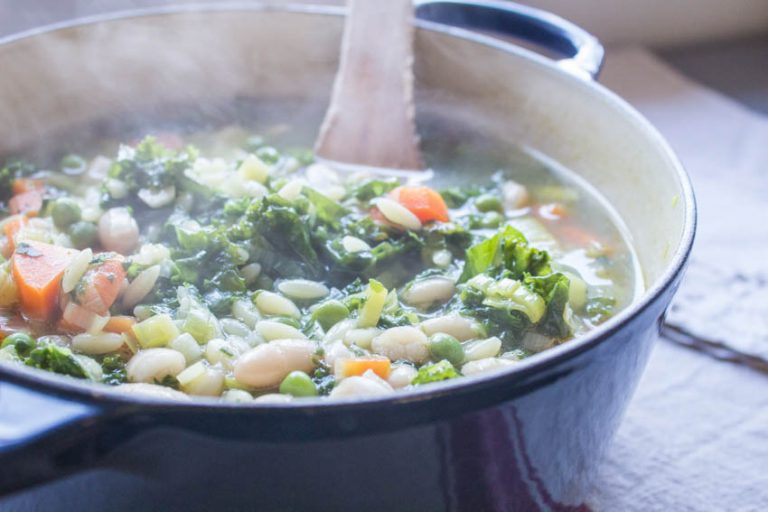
[535, 448]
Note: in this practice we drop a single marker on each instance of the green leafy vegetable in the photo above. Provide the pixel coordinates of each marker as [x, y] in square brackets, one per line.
[435, 372]
[56, 359]
[113, 369]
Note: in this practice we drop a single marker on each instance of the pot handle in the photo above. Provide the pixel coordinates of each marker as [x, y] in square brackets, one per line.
[42, 437]
[583, 52]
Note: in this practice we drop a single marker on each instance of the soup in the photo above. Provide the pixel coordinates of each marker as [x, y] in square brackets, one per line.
[216, 263]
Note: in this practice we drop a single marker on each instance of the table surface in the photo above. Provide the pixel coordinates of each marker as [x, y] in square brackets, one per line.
[695, 436]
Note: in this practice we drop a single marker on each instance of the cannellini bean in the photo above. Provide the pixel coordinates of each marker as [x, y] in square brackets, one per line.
[237, 396]
[273, 398]
[442, 258]
[246, 313]
[401, 375]
[210, 382]
[426, 292]
[515, 195]
[141, 286]
[488, 365]
[188, 346]
[336, 351]
[461, 328]
[361, 337]
[302, 289]
[402, 343]
[338, 331]
[369, 384]
[102, 343]
[118, 230]
[250, 272]
[481, 349]
[534, 342]
[273, 330]
[273, 304]
[152, 391]
[75, 270]
[354, 244]
[234, 327]
[155, 364]
[398, 214]
[268, 364]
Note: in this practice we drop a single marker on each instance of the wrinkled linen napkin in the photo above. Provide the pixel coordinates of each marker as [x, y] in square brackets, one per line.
[724, 146]
[695, 437]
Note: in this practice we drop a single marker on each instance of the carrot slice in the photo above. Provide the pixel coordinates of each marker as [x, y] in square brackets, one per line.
[29, 203]
[37, 269]
[120, 324]
[425, 203]
[379, 365]
[11, 229]
[102, 285]
[21, 185]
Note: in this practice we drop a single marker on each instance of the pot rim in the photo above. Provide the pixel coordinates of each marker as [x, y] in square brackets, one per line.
[103, 395]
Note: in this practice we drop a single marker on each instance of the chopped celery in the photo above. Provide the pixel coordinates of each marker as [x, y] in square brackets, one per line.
[155, 331]
[201, 324]
[375, 297]
[191, 373]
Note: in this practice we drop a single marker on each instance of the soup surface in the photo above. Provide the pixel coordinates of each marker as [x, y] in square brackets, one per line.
[218, 263]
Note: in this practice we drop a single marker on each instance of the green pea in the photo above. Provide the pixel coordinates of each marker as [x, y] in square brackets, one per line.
[65, 212]
[298, 384]
[83, 234]
[443, 346]
[492, 220]
[329, 313]
[23, 342]
[488, 203]
[73, 165]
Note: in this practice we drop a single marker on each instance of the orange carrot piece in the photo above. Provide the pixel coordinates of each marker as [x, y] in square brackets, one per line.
[425, 203]
[379, 365]
[103, 284]
[120, 324]
[37, 269]
[21, 185]
[12, 227]
[29, 203]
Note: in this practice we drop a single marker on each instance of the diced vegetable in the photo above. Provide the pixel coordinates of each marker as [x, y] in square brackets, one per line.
[11, 228]
[155, 331]
[379, 365]
[120, 324]
[22, 185]
[99, 287]
[375, 297]
[298, 384]
[37, 270]
[21, 341]
[435, 372]
[425, 203]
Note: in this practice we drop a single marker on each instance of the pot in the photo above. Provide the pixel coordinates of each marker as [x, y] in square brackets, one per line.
[525, 439]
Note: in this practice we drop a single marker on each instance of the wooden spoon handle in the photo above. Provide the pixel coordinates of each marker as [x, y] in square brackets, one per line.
[371, 117]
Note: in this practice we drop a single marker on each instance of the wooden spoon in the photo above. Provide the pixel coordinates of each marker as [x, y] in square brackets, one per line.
[370, 121]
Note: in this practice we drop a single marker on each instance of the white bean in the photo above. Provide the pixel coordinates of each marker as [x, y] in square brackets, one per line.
[188, 346]
[402, 375]
[402, 343]
[338, 331]
[75, 270]
[155, 364]
[221, 351]
[367, 385]
[273, 304]
[237, 396]
[210, 382]
[426, 292]
[460, 327]
[102, 343]
[152, 391]
[442, 258]
[398, 214]
[268, 364]
[273, 330]
[235, 327]
[361, 337]
[250, 272]
[488, 365]
[515, 195]
[118, 230]
[141, 286]
[273, 398]
[303, 289]
[336, 351]
[292, 189]
[481, 349]
[354, 244]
